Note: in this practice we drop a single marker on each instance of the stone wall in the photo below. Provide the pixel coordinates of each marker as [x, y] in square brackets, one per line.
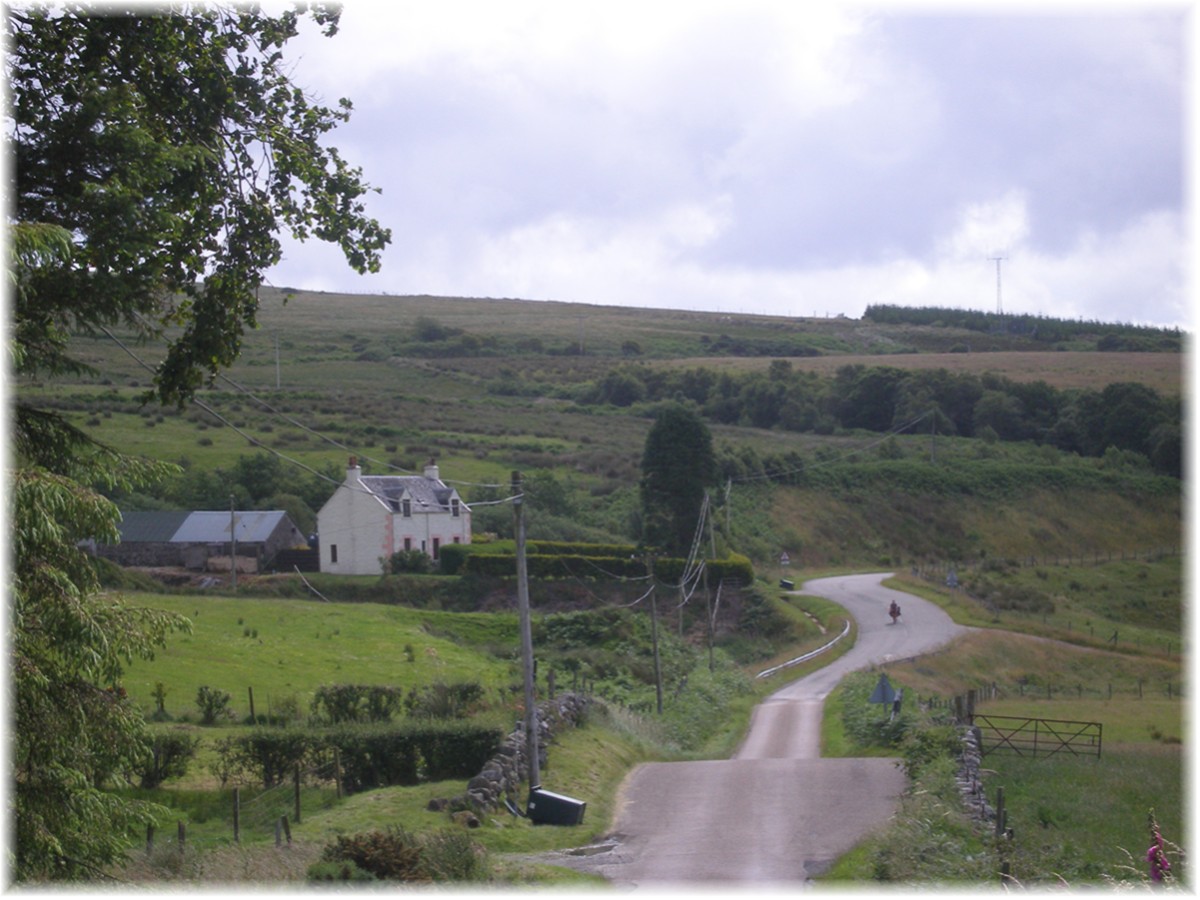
[501, 776]
[969, 784]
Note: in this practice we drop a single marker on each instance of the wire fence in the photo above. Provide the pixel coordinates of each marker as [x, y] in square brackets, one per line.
[269, 813]
[950, 571]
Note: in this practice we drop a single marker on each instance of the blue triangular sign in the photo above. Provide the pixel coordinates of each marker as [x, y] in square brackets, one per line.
[884, 693]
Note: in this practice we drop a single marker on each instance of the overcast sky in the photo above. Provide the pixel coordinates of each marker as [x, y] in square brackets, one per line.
[777, 156]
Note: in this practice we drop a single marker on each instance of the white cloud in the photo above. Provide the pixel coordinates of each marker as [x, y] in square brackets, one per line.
[761, 155]
[988, 229]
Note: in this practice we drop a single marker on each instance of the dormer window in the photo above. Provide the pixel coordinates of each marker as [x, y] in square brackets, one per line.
[454, 507]
[406, 508]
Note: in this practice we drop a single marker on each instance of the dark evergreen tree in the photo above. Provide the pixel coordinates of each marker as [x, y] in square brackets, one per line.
[678, 464]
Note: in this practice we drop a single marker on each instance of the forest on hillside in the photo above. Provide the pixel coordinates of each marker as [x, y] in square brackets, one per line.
[1109, 336]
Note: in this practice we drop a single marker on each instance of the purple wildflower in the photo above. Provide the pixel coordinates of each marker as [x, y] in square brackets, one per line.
[1156, 856]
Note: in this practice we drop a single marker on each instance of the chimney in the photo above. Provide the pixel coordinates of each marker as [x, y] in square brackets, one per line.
[353, 471]
[431, 470]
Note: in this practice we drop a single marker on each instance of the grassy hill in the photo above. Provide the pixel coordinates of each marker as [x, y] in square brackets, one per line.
[1045, 542]
[489, 386]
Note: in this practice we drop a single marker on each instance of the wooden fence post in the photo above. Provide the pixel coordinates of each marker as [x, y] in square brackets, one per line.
[287, 831]
[237, 815]
[250, 691]
[1000, 812]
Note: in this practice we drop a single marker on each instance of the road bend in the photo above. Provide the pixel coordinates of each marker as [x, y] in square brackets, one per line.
[776, 813]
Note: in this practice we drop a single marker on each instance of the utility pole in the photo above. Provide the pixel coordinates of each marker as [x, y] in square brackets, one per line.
[712, 540]
[531, 733]
[654, 635]
[232, 544]
[997, 260]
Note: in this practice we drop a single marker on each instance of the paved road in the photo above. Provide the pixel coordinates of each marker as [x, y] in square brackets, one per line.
[776, 813]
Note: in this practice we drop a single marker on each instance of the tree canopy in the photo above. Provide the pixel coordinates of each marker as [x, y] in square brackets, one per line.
[158, 156]
[678, 463]
[174, 150]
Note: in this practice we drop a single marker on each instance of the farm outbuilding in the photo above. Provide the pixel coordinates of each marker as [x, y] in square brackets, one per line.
[371, 517]
[191, 539]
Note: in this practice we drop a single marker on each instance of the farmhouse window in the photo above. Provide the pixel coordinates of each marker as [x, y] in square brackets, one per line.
[454, 508]
[407, 544]
[437, 545]
[333, 553]
[406, 506]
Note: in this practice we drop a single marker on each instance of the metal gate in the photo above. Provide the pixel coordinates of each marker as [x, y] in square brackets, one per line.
[1034, 737]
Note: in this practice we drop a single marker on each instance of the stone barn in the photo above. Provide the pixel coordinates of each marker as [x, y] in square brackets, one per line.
[190, 539]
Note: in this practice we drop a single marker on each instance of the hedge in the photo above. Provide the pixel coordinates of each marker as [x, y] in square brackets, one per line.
[539, 565]
[371, 756]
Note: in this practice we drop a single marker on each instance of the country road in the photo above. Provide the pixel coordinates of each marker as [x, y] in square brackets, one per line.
[776, 813]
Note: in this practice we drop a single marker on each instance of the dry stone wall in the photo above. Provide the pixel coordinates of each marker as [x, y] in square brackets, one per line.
[501, 776]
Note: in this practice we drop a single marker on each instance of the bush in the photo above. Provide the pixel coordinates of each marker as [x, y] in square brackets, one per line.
[169, 756]
[393, 854]
[269, 754]
[338, 703]
[410, 562]
[444, 701]
[212, 703]
[869, 724]
[398, 855]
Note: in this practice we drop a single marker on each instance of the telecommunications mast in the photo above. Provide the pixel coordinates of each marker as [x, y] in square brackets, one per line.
[999, 305]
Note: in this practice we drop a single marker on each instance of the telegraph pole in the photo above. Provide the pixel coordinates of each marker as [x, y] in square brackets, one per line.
[531, 733]
[654, 634]
[997, 260]
[232, 544]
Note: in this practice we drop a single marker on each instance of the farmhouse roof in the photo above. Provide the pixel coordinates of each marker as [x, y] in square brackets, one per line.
[427, 493]
[200, 527]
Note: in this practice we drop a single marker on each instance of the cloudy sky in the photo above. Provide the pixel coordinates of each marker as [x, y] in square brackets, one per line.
[774, 156]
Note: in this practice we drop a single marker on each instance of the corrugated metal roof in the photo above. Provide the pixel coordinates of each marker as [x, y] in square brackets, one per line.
[151, 527]
[212, 527]
[203, 527]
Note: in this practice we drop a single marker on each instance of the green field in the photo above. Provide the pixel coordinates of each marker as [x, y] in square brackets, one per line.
[1085, 550]
[289, 648]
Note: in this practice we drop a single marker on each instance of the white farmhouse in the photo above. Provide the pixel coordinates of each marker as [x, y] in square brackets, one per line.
[370, 517]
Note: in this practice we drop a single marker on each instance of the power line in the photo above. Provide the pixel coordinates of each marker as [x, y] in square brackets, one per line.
[808, 467]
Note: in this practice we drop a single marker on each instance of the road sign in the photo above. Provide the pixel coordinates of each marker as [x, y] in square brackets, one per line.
[884, 692]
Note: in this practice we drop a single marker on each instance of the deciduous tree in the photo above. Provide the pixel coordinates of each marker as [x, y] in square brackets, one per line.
[158, 156]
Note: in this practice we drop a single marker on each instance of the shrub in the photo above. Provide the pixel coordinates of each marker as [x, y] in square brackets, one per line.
[392, 854]
[168, 757]
[409, 562]
[444, 701]
[270, 754]
[398, 855]
[338, 703]
[212, 703]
